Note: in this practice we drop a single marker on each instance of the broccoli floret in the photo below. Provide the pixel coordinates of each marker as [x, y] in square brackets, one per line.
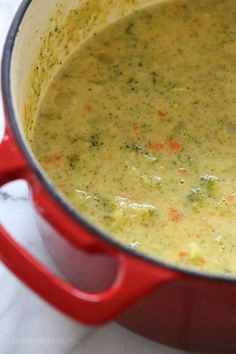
[210, 184]
[196, 195]
[206, 188]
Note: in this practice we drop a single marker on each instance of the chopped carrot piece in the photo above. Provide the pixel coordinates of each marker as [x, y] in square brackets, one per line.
[54, 157]
[201, 261]
[182, 170]
[161, 113]
[156, 146]
[109, 44]
[183, 254]
[229, 199]
[175, 215]
[136, 128]
[69, 29]
[173, 145]
[62, 187]
[109, 157]
[207, 225]
[25, 110]
[88, 108]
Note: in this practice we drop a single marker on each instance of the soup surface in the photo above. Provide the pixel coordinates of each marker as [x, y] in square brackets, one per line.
[138, 131]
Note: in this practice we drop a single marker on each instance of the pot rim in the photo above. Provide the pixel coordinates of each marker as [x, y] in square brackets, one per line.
[57, 197]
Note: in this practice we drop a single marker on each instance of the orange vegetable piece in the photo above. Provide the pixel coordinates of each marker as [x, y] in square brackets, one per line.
[207, 225]
[25, 109]
[173, 145]
[229, 199]
[109, 157]
[201, 261]
[175, 215]
[183, 254]
[161, 113]
[88, 108]
[136, 128]
[69, 29]
[182, 170]
[156, 146]
[54, 157]
[109, 45]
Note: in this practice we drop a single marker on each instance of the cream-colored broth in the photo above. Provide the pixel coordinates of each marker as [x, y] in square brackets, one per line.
[138, 128]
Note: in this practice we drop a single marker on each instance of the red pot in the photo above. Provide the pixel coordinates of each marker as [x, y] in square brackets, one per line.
[106, 280]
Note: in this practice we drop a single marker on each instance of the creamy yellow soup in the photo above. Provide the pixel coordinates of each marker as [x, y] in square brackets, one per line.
[138, 131]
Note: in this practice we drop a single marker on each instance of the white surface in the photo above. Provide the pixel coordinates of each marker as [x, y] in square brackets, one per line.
[27, 324]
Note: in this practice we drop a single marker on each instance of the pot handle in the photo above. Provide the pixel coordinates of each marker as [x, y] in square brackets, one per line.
[131, 283]
[134, 276]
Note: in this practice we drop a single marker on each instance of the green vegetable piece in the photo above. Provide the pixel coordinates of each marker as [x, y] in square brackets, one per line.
[210, 184]
[95, 141]
[207, 188]
[73, 161]
[196, 195]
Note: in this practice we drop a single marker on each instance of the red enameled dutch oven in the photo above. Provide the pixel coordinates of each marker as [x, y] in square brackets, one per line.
[105, 279]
